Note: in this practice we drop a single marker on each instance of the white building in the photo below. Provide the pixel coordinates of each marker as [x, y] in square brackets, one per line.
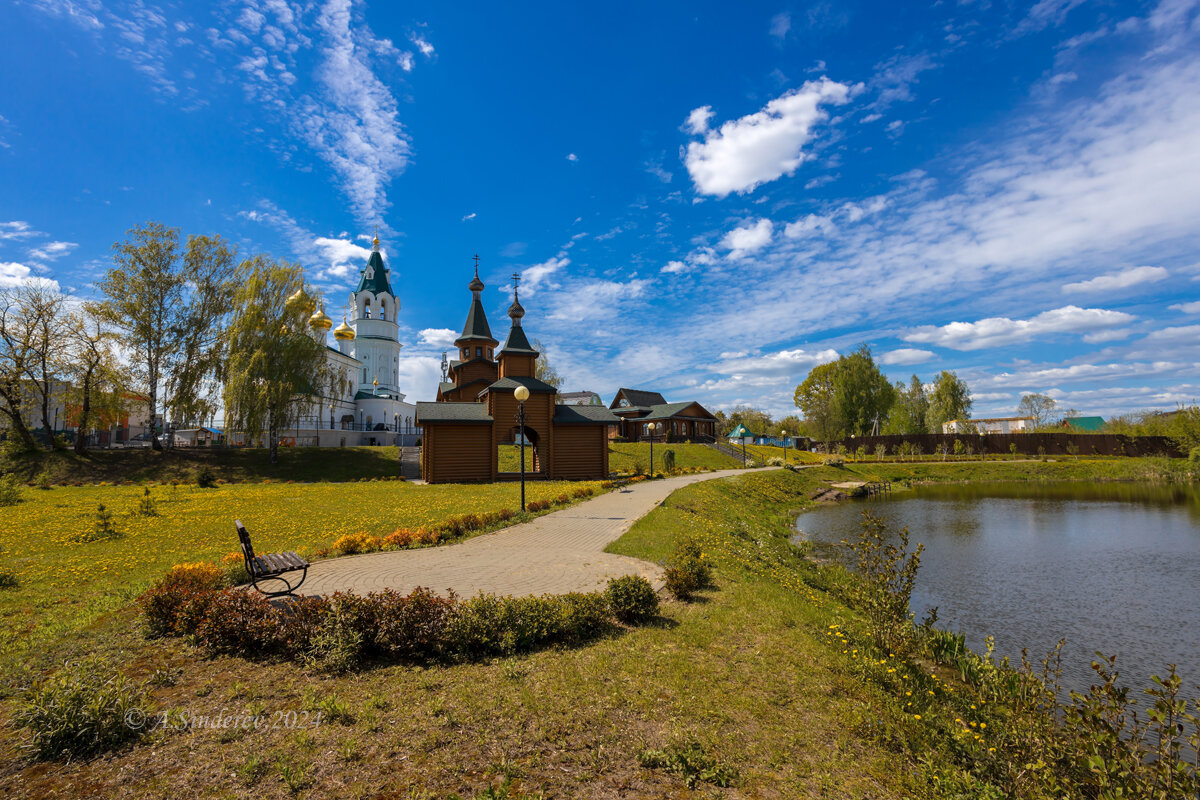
[990, 425]
[363, 404]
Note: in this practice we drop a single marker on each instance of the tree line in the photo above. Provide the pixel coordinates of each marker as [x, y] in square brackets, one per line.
[180, 327]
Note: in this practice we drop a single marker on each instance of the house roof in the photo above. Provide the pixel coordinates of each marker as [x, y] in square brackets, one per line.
[668, 410]
[456, 413]
[476, 326]
[378, 282]
[517, 342]
[640, 397]
[532, 384]
[740, 431]
[1084, 423]
[446, 387]
[583, 415]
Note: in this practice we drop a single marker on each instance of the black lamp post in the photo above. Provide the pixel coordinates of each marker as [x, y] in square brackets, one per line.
[331, 416]
[783, 445]
[650, 427]
[522, 394]
[743, 447]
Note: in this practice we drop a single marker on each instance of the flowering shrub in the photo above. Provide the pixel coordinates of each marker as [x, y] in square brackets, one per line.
[631, 598]
[355, 543]
[185, 585]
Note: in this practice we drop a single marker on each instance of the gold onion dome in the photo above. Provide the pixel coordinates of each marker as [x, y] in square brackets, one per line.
[343, 331]
[301, 299]
[320, 321]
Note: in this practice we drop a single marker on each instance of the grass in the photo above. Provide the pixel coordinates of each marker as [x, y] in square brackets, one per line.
[622, 456]
[64, 585]
[182, 464]
[763, 453]
[748, 684]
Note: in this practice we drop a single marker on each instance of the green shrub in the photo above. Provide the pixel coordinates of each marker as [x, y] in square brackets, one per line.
[1193, 457]
[668, 460]
[687, 570]
[8, 579]
[584, 616]
[10, 491]
[233, 621]
[147, 507]
[632, 599]
[102, 529]
[337, 644]
[887, 571]
[192, 585]
[80, 711]
[206, 478]
[691, 763]
[412, 627]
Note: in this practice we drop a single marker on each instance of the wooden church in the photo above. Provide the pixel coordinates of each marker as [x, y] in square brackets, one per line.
[476, 412]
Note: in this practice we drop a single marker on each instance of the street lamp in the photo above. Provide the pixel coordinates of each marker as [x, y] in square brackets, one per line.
[331, 416]
[651, 428]
[743, 447]
[783, 445]
[522, 394]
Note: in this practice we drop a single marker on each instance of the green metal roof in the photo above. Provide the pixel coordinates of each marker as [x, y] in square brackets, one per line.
[532, 384]
[378, 282]
[446, 387]
[476, 326]
[639, 397]
[1091, 424]
[584, 415]
[740, 431]
[459, 413]
[668, 410]
[517, 342]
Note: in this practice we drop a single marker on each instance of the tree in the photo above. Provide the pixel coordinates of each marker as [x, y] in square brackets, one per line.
[32, 327]
[756, 420]
[863, 395]
[543, 370]
[847, 396]
[96, 377]
[950, 399]
[815, 397]
[275, 366]
[1038, 406]
[167, 305]
[910, 409]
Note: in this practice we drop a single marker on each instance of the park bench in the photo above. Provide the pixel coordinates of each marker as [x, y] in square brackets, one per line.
[271, 567]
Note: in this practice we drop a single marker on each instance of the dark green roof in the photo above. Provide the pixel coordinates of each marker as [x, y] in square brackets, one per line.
[668, 410]
[532, 384]
[517, 342]
[1085, 423]
[638, 397]
[378, 282]
[446, 387]
[584, 415]
[461, 413]
[477, 324]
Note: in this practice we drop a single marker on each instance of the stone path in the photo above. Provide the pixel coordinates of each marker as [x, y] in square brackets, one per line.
[556, 553]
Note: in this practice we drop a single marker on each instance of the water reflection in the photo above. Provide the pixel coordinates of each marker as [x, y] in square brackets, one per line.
[1110, 567]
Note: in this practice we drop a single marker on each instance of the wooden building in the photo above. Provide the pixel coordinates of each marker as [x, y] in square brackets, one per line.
[636, 408]
[475, 414]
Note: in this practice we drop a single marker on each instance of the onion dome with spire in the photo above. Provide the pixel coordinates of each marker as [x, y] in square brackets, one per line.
[320, 321]
[517, 341]
[343, 332]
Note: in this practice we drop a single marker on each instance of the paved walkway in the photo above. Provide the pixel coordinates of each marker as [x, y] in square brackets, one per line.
[555, 553]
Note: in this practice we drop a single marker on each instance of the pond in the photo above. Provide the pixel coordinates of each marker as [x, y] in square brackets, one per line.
[1109, 567]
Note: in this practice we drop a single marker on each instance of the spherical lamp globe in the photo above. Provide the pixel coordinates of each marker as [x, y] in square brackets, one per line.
[522, 394]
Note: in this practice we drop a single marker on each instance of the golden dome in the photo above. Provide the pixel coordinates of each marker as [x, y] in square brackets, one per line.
[343, 331]
[319, 321]
[303, 301]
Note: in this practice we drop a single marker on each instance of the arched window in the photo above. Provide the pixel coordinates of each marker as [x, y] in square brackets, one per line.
[367, 310]
[382, 310]
[364, 374]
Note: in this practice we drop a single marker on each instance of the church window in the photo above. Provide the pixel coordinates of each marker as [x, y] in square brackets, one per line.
[489, 352]
[367, 310]
[624, 403]
[479, 352]
[364, 374]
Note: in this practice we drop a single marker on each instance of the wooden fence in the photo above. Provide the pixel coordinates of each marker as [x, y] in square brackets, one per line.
[1030, 444]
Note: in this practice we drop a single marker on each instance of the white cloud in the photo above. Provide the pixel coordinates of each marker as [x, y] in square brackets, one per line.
[12, 273]
[421, 44]
[697, 121]
[809, 225]
[785, 363]
[760, 147]
[1046, 13]
[1185, 334]
[572, 157]
[540, 276]
[337, 252]
[748, 238]
[1187, 308]
[895, 77]
[1124, 279]
[51, 251]
[781, 23]
[1039, 378]
[905, 356]
[999, 331]
[442, 338]
[468, 216]
[419, 376]
[675, 267]
[17, 229]
[596, 299]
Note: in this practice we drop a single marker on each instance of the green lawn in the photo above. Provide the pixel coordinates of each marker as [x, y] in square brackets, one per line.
[242, 464]
[622, 456]
[65, 585]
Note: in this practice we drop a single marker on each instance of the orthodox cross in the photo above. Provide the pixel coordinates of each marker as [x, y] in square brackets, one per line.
[516, 282]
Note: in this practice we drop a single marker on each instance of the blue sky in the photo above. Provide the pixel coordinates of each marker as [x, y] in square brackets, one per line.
[704, 199]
